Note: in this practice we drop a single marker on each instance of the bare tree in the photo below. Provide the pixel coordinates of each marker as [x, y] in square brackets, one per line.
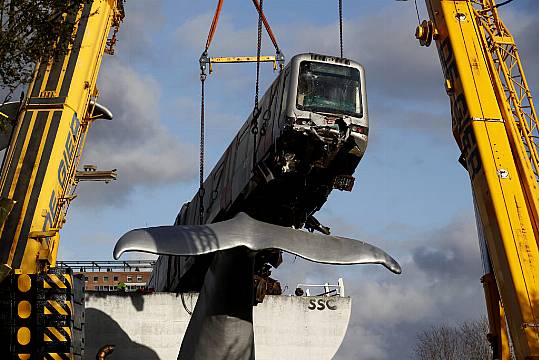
[31, 30]
[465, 341]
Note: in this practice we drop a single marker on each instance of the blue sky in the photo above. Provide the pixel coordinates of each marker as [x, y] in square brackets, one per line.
[411, 198]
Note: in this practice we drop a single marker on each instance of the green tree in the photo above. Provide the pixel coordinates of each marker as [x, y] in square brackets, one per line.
[32, 30]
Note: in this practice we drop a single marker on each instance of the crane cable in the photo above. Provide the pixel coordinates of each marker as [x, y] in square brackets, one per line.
[417, 12]
[203, 62]
[256, 109]
[201, 190]
[503, 3]
[340, 26]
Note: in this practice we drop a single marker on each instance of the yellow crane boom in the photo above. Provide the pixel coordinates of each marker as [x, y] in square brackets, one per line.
[38, 176]
[495, 125]
[42, 306]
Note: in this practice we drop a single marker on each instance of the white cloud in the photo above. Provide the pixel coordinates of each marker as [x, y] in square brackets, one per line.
[368, 345]
[144, 19]
[229, 39]
[136, 141]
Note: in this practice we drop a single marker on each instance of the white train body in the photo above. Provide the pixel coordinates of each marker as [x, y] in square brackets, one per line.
[309, 138]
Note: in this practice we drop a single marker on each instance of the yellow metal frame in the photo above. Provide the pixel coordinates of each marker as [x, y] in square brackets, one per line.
[241, 59]
[515, 99]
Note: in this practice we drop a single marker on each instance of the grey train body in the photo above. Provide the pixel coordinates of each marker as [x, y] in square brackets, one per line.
[282, 172]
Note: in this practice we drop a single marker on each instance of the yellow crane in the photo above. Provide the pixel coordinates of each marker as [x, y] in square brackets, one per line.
[495, 125]
[37, 184]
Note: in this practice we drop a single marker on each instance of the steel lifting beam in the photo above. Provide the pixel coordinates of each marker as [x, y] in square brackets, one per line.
[209, 61]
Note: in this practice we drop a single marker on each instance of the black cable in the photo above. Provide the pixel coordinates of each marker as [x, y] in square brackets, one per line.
[258, 51]
[502, 3]
[417, 12]
[256, 110]
[201, 154]
[340, 26]
[185, 306]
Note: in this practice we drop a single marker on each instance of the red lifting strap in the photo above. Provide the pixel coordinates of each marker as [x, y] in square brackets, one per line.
[214, 24]
[215, 20]
[266, 25]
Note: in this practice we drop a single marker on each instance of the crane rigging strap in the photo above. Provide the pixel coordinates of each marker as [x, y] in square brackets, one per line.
[213, 26]
[258, 7]
[266, 25]
[205, 61]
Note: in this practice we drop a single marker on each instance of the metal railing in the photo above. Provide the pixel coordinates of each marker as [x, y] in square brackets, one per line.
[108, 265]
[328, 289]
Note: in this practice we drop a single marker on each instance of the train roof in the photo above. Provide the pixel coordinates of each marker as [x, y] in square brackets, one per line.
[325, 58]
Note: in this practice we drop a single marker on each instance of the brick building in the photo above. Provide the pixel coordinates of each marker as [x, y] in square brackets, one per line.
[112, 275]
[108, 281]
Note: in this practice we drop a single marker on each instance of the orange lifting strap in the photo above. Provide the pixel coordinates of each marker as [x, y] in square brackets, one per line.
[215, 21]
[266, 25]
[213, 26]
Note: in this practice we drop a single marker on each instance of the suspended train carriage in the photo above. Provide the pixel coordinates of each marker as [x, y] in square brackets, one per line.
[308, 139]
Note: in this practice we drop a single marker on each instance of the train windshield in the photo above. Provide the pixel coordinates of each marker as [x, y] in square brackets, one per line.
[329, 88]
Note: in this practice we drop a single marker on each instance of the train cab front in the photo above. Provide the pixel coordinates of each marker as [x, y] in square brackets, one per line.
[330, 102]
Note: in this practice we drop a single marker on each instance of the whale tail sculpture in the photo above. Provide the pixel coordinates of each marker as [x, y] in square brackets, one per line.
[221, 326]
[242, 230]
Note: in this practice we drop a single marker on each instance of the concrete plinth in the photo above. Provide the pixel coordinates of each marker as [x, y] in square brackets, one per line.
[152, 326]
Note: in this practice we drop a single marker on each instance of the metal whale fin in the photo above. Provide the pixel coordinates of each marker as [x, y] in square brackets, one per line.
[242, 230]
